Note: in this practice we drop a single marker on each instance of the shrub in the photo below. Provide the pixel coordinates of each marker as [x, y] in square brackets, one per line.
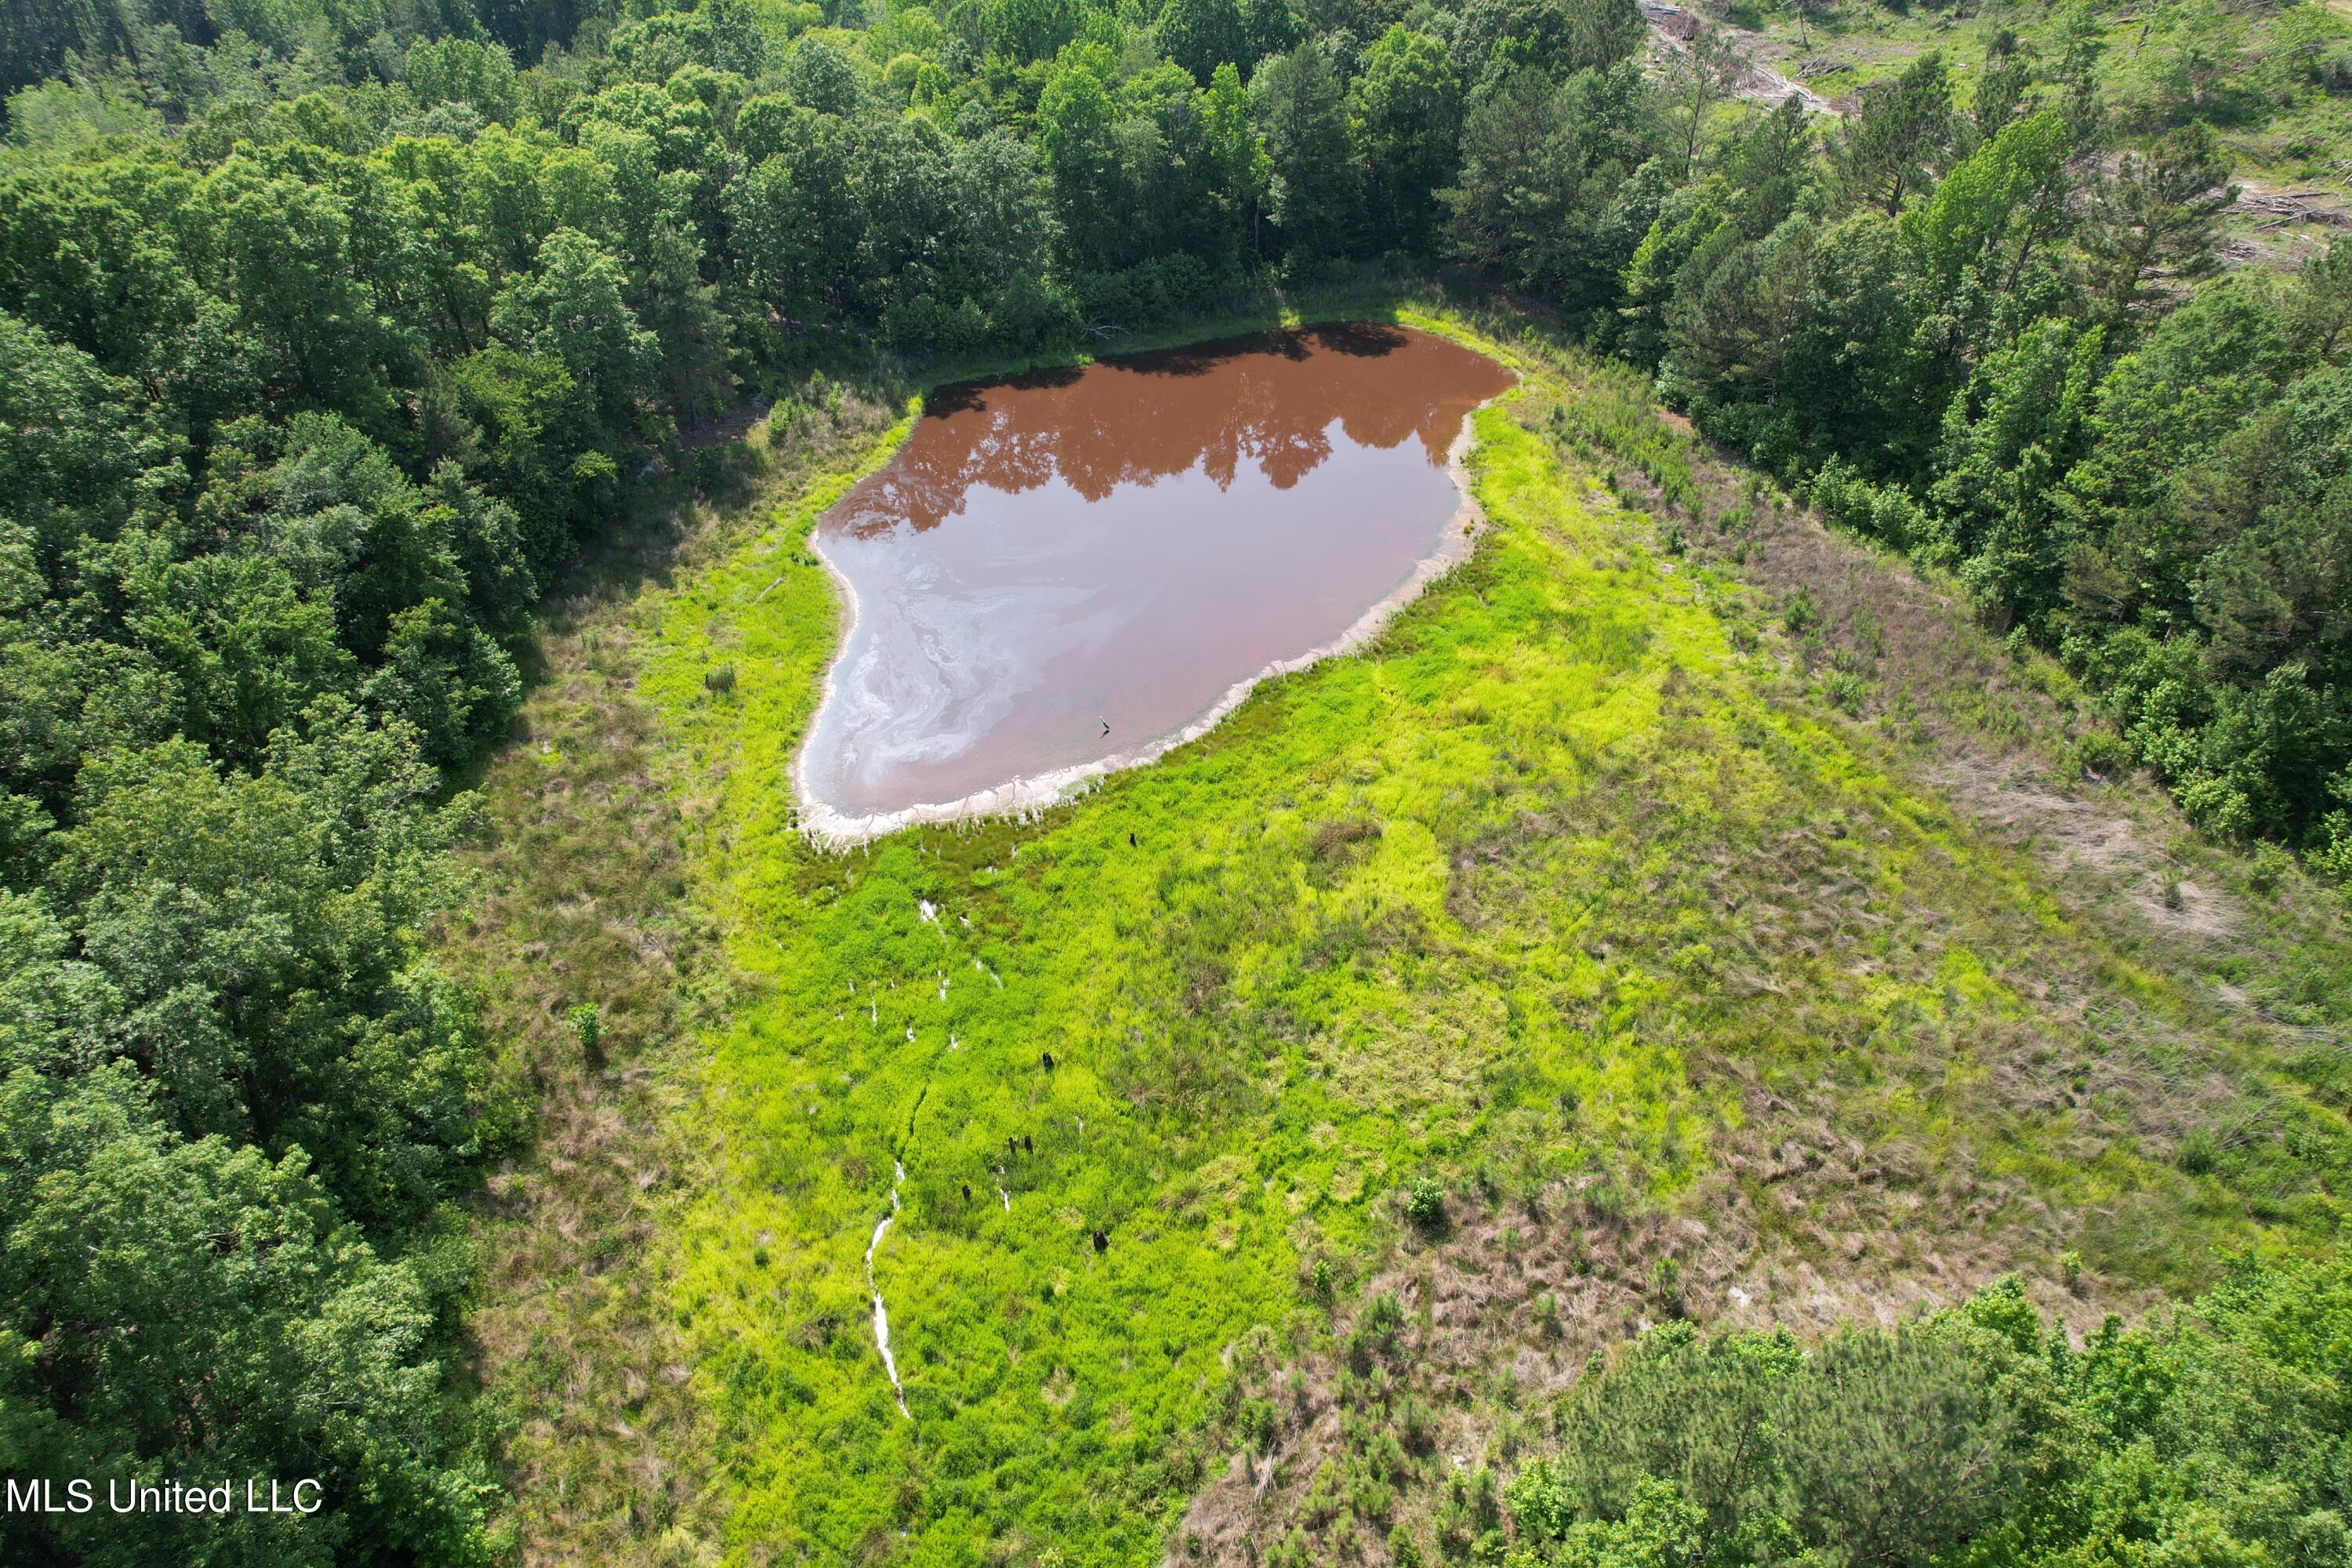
[1261, 1421]
[1424, 1204]
[1847, 692]
[2102, 754]
[1375, 1336]
[587, 1027]
[1666, 1283]
[1887, 513]
[1801, 612]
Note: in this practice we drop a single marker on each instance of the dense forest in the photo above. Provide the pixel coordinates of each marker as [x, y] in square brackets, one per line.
[328, 332]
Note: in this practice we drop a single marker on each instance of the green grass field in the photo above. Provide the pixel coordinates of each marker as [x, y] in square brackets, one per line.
[1602, 894]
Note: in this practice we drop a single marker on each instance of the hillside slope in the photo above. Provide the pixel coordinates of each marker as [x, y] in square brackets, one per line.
[1678, 913]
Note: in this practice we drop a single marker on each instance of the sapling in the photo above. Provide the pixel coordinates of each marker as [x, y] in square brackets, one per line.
[587, 1026]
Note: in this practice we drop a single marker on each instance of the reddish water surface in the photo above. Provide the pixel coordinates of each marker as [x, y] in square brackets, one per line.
[1118, 546]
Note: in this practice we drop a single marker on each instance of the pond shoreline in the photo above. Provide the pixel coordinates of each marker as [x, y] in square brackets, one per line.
[830, 828]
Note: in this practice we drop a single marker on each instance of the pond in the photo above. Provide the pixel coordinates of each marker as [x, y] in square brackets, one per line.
[1068, 572]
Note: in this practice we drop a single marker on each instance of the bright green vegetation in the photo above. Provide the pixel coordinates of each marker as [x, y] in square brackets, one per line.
[334, 337]
[1488, 914]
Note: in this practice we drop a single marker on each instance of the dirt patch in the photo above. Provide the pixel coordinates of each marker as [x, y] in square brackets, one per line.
[2273, 206]
[1672, 27]
[2015, 802]
[2282, 227]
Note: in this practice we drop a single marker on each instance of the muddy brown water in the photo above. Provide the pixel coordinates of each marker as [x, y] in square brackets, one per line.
[1124, 546]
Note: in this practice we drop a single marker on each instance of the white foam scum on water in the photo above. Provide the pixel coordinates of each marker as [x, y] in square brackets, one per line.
[1024, 799]
[882, 1313]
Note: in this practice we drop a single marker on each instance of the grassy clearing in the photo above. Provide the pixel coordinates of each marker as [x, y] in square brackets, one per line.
[1578, 896]
[590, 903]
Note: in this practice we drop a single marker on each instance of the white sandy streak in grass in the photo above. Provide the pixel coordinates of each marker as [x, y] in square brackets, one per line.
[882, 1313]
[832, 829]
